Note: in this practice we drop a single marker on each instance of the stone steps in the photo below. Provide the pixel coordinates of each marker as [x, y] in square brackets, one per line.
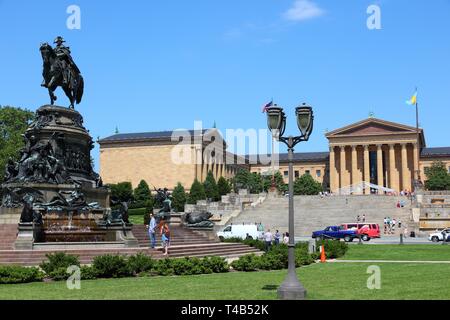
[315, 213]
[184, 243]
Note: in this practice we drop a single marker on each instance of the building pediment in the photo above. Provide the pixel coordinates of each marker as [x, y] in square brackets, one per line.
[371, 127]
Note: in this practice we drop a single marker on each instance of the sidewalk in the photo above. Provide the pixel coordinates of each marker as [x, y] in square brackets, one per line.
[387, 261]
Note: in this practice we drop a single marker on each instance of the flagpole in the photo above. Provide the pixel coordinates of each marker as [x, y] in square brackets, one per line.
[418, 136]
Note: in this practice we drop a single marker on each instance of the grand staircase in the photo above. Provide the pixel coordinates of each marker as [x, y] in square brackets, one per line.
[315, 213]
[185, 243]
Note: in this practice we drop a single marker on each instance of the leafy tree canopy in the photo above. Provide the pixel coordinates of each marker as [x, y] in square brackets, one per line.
[438, 177]
[211, 189]
[306, 185]
[13, 123]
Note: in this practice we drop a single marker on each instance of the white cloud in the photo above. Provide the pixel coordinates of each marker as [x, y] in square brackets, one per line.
[303, 10]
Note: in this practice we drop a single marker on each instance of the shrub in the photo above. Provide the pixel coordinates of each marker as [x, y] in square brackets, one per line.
[140, 263]
[17, 274]
[179, 198]
[137, 212]
[216, 264]
[188, 266]
[333, 248]
[88, 273]
[273, 261]
[111, 266]
[163, 267]
[59, 260]
[59, 274]
[224, 186]
[122, 191]
[197, 192]
[248, 262]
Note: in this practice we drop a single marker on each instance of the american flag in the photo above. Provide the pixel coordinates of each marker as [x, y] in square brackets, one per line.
[267, 106]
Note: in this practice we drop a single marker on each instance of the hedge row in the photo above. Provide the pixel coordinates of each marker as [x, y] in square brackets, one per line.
[115, 266]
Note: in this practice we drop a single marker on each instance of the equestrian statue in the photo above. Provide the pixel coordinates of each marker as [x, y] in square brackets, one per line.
[61, 71]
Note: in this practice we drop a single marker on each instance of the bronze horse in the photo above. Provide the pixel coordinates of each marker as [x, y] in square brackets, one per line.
[54, 78]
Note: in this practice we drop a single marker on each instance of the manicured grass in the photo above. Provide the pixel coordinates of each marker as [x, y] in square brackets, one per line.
[323, 281]
[419, 252]
[136, 219]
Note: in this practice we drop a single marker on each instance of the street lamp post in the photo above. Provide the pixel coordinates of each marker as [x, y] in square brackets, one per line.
[291, 288]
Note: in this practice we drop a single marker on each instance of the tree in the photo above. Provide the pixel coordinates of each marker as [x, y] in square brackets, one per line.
[143, 196]
[197, 192]
[211, 189]
[224, 186]
[179, 198]
[240, 180]
[142, 191]
[255, 183]
[306, 185]
[279, 182]
[122, 191]
[438, 177]
[13, 123]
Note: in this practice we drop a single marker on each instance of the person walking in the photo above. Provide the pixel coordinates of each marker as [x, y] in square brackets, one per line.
[286, 238]
[364, 218]
[165, 238]
[385, 225]
[152, 231]
[394, 223]
[277, 237]
[268, 237]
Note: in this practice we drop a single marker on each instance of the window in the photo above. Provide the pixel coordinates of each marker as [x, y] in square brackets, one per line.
[318, 173]
[227, 229]
[286, 173]
[297, 174]
[307, 172]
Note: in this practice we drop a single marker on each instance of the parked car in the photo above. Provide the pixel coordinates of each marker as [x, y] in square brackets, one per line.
[366, 230]
[440, 235]
[242, 231]
[335, 232]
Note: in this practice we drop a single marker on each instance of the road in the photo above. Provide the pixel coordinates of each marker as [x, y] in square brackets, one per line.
[383, 240]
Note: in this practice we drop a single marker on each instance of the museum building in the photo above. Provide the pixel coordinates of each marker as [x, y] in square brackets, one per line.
[372, 152]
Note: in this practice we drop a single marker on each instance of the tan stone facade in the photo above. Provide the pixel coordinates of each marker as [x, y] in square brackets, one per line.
[378, 152]
[162, 162]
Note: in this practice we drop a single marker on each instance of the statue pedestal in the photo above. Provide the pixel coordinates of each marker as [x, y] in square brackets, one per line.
[28, 234]
[122, 234]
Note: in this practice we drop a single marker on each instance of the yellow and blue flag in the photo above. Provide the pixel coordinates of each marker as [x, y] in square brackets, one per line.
[413, 100]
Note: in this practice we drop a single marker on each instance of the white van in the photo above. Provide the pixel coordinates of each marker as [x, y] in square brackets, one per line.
[240, 231]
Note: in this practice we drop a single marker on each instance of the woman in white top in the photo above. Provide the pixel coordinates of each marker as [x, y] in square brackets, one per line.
[286, 238]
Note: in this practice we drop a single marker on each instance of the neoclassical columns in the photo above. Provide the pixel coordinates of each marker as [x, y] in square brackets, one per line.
[334, 176]
[406, 174]
[416, 161]
[343, 161]
[380, 171]
[367, 168]
[393, 179]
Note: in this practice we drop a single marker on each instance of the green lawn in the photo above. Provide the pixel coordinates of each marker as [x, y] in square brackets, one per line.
[419, 252]
[323, 281]
[136, 219]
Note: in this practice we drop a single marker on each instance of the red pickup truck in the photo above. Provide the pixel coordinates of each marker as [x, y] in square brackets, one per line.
[366, 230]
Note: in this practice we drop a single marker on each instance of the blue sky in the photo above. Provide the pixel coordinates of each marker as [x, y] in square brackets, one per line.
[161, 65]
